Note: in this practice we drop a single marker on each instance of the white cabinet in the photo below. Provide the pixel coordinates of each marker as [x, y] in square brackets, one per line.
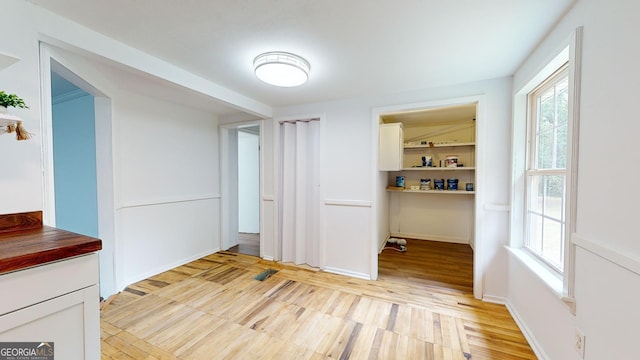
[390, 147]
[57, 302]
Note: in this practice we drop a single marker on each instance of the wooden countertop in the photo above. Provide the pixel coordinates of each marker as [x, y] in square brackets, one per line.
[37, 245]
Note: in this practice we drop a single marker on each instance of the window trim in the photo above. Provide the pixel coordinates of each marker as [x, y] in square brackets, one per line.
[575, 71]
[571, 48]
[531, 169]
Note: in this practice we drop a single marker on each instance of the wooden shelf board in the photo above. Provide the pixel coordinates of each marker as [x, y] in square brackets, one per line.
[427, 146]
[445, 192]
[439, 168]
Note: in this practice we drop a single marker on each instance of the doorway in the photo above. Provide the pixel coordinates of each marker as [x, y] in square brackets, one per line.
[77, 129]
[74, 157]
[248, 191]
[241, 188]
[439, 141]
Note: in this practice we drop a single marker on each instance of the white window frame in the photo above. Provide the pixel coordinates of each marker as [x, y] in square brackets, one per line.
[533, 171]
[562, 284]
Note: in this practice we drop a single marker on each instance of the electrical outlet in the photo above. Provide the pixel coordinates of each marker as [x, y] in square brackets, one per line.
[579, 343]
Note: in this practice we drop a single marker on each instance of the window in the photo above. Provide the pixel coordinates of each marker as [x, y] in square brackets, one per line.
[546, 169]
[546, 120]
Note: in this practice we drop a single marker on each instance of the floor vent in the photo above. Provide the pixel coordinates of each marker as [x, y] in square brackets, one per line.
[265, 274]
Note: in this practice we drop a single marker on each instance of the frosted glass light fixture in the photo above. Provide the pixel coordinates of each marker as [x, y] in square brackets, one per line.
[281, 68]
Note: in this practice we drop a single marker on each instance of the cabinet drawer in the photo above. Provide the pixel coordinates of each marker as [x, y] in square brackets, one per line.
[33, 285]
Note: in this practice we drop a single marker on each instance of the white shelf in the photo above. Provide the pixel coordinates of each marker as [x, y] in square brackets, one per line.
[7, 60]
[8, 119]
[443, 192]
[427, 146]
[439, 168]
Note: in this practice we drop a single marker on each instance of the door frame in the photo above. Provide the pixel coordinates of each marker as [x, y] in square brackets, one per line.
[50, 59]
[228, 208]
[479, 266]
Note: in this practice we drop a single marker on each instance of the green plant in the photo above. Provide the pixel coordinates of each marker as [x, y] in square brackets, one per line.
[11, 100]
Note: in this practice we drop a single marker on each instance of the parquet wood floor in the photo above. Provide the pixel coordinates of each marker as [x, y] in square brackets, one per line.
[212, 308]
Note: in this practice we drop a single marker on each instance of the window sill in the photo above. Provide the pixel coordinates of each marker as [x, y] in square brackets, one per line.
[548, 277]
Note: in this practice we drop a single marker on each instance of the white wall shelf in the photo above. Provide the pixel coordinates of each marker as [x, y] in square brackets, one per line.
[439, 168]
[7, 60]
[443, 192]
[427, 146]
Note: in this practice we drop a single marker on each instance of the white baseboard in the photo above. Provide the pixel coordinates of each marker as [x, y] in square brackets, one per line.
[164, 268]
[535, 346]
[381, 247]
[347, 273]
[431, 237]
[268, 258]
[494, 299]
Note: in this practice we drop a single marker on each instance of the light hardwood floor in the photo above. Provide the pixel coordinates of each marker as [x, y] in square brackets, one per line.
[248, 244]
[212, 308]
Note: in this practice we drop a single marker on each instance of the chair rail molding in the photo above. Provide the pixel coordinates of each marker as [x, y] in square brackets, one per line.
[616, 256]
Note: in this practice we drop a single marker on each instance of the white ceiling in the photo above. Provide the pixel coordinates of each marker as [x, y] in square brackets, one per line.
[355, 47]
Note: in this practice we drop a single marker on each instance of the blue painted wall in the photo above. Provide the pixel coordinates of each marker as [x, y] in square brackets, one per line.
[74, 157]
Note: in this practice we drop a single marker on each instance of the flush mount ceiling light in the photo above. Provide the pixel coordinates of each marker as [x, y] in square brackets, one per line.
[281, 68]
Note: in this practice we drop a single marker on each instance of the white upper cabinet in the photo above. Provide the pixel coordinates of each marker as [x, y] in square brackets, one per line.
[390, 147]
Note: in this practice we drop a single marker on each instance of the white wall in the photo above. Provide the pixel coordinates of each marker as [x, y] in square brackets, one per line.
[349, 178]
[436, 217]
[166, 213]
[350, 182]
[607, 281]
[23, 177]
[606, 288]
[168, 196]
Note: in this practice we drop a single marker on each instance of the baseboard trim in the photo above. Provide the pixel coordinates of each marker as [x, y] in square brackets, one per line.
[347, 273]
[381, 246]
[164, 268]
[268, 258]
[535, 346]
[494, 299]
[431, 238]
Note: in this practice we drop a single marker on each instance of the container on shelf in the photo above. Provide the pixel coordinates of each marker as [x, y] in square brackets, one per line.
[438, 184]
[400, 181]
[452, 184]
[451, 161]
[425, 184]
[427, 161]
[469, 187]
